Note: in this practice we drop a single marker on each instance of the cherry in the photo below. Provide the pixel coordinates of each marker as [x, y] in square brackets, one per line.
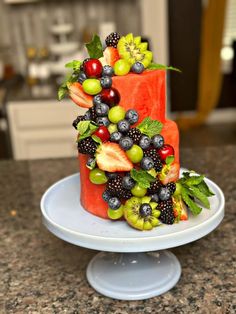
[92, 68]
[103, 133]
[165, 151]
[110, 96]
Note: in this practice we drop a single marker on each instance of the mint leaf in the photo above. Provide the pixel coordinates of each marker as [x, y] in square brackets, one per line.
[86, 129]
[195, 209]
[150, 127]
[142, 178]
[194, 180]
[156, 66]
[75, 65]
[203, 187]
[170, 159]
[62, 91]
[96, 139]
[94, 47]
[200, 196]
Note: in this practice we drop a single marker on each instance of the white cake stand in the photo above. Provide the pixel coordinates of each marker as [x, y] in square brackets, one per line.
[133, 275]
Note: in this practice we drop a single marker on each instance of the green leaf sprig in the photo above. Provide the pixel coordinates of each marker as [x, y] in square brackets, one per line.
[142, 178]
[94, 47]
[156, 66]
[150, 127]
[86, 129]
[193, 187]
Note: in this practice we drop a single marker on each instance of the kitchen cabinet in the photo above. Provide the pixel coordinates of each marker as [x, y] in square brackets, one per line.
[42, 129]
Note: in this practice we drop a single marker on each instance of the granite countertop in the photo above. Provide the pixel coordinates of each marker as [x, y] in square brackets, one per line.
[43, 274]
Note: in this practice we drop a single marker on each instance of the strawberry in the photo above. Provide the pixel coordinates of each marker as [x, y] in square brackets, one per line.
[110, 157]
[169, 173]
[180, 209]
[110, 56]
[79, 97]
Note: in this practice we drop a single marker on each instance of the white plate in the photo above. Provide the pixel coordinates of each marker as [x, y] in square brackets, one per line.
[64, 216]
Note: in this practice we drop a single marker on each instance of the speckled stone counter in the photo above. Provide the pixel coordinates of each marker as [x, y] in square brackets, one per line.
[43, 274]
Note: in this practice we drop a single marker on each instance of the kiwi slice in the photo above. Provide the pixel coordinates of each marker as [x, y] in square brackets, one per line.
[139, 219]
[132, 49]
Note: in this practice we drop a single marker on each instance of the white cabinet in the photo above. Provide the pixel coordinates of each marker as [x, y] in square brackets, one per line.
[42, 129]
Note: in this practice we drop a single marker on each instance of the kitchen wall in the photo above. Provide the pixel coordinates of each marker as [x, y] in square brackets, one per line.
[29, 24]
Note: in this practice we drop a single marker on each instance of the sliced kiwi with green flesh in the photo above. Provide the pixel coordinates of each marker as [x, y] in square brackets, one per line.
[135, 218]
[132, 49]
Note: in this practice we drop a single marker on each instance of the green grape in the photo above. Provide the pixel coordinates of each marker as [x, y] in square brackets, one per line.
[92, 86]
[97, 176]
[135, 154]
[112, 128]
[121, 67]
[138, 191]
[115, 213]
[116, 114]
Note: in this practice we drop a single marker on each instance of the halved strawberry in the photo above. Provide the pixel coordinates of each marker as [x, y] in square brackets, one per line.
[110, 56]
[169, 173]
[180, 209]
[110, 157]
[79, 97]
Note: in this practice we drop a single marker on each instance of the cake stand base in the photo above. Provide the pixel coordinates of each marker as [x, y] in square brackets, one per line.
[133, 276]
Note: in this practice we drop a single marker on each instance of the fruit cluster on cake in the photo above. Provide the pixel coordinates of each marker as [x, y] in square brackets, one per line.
[128, 150]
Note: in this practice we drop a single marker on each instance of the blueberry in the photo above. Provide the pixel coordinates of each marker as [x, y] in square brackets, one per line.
[106, 81]
[145, 210]
[82, 77]
[111, 175]
[102, 109]
[131, 116]
[128, 183]
[91, 163]
[155, 198]
[137, 67]
[145, 142]
[106, 195]
[115, 136]
[97, 99]
[114, 203]
[147, 163]
[123, 126]
[164, 194]
[103, 121]
[158, 141]
[87, 115]
[107, 71]
[126, 143]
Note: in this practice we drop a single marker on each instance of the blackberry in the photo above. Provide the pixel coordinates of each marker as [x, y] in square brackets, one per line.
[171, 186]
[77, 120]
[135, 134]
[154, 186]
[87, 146]
[93, 114]
[152, 153]
[167, 214]
[112, 40]
[115, 187]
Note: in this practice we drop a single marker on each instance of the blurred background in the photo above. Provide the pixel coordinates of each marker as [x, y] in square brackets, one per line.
[38, 37]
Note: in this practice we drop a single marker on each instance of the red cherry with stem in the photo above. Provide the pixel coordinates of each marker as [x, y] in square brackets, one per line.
[92, 68]
[110, 96]
[165, 151]
[103, 133]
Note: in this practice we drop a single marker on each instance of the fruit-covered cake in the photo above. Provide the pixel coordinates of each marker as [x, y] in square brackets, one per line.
[128, 150]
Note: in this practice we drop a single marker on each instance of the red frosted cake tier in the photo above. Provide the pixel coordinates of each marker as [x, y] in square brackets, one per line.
[146, 93]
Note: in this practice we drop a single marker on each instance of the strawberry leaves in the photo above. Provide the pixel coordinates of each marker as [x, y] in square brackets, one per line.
[150, 127]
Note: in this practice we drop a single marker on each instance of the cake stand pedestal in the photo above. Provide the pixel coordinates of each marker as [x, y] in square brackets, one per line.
[123, 270]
